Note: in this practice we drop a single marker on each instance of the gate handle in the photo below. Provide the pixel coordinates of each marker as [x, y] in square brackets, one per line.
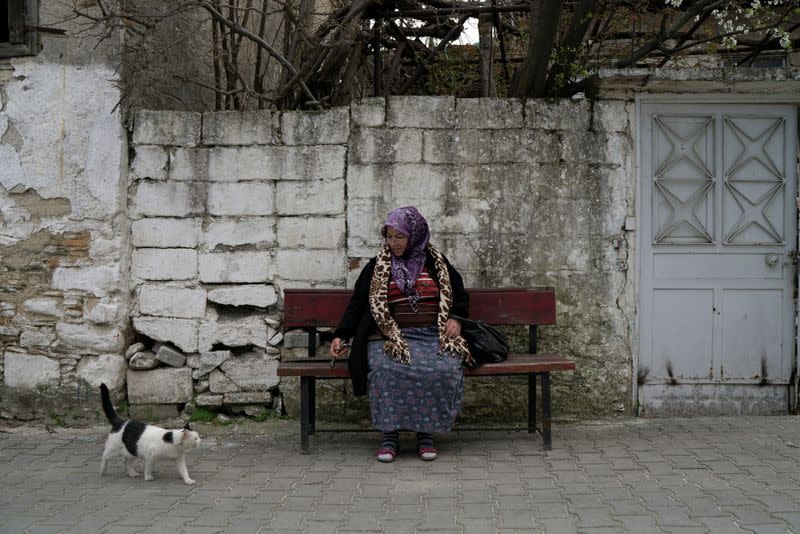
[772, 259]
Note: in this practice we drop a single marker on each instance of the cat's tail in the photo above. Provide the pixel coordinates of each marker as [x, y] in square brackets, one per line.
[108, 408]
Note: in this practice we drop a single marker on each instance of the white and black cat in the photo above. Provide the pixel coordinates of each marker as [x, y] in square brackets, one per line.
[131, 439]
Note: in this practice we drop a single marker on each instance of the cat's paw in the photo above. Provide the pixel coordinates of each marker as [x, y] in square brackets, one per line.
[133, 474]
[190, 481]
[148, 477]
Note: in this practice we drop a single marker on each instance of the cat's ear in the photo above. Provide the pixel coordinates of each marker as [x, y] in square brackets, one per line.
[186, 426]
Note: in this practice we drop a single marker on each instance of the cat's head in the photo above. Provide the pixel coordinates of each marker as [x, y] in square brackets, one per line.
[188, 438]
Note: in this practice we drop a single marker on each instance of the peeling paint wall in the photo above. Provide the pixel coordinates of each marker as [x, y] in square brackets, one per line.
[63, 226]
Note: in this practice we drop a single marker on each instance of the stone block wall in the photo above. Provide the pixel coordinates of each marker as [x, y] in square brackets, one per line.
[517, 194]
[228, 209]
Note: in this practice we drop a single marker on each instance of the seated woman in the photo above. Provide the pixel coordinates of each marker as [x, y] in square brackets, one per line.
[406, 351]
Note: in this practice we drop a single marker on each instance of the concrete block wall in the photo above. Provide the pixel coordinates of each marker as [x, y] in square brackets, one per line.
[517, 194]
[228, 209]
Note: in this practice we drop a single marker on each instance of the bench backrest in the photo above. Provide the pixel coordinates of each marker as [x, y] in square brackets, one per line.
[304, 308]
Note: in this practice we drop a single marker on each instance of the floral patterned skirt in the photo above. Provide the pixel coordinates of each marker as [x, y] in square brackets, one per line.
[422, 397]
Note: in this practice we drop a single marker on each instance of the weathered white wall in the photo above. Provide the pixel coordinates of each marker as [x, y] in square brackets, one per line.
[228, 209]
[63, 224]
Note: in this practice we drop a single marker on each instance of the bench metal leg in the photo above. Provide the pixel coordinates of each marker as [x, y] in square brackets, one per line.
[531, 403]
[312, 408]
[306, 410]
[546, 420]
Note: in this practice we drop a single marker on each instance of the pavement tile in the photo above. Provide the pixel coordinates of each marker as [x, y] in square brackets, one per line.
[514, 502]
[565, 525]
[539, 483]
[321, 527]
[363, 521]
[399, 526]
[441, 504]
[332, 513]
[509, 488]
[701, 507]
[298, 503]
[414, 499]
[479, 526]
[622, 492]
[752, 515]
[438, 520]
[590, 500]
[91, 523]
[685, 530]
[401, 511]
[547, 495]
[477, 511]
[792, 518]
[626, 507]
[550, 511]
[577, 488]
[770, 529]
[17, 523]
[595, 517]
[514, 518]
[202, 530]
[285, 520]
[677, 516]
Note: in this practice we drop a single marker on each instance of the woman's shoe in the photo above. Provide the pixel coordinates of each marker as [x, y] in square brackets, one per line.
[389, 445]
[427, 452]
[425, 449]
[386, 454]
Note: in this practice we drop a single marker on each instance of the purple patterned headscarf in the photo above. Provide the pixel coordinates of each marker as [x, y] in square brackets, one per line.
[406, 268]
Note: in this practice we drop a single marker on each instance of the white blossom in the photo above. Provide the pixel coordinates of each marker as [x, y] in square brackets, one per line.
[785, 41]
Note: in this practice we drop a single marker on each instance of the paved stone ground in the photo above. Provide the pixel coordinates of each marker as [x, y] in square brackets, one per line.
[716, 475]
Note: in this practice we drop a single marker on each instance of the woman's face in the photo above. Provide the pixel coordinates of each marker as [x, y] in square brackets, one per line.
[397, 241]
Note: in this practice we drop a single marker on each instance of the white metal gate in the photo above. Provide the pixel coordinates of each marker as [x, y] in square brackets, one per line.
[717, 234]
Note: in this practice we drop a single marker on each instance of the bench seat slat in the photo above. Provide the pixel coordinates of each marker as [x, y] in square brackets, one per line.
[515, 364]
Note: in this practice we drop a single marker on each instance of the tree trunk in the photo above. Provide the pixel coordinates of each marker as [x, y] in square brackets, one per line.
[486, 47]
[531, 77]
[558, 82]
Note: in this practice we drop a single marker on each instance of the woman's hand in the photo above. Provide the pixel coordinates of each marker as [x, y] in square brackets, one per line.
[338, 347]
[452, 328]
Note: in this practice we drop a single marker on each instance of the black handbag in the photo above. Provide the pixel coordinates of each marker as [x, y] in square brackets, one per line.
[486, 343]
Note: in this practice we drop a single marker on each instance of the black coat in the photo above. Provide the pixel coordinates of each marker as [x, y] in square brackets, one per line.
[357, 321]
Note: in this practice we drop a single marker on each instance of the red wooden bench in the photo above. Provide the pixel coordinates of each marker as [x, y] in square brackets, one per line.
[313, 308]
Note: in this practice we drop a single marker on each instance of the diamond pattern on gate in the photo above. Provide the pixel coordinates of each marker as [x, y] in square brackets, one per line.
[753, 160]
[684, 162]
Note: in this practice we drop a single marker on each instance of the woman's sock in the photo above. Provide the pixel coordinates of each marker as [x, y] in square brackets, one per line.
[391, 440]
[424, 439]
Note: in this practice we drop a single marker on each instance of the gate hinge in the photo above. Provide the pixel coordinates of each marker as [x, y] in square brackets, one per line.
[794, 258]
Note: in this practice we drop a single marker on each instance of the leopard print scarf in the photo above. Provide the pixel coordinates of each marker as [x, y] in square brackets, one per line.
[396, 346]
